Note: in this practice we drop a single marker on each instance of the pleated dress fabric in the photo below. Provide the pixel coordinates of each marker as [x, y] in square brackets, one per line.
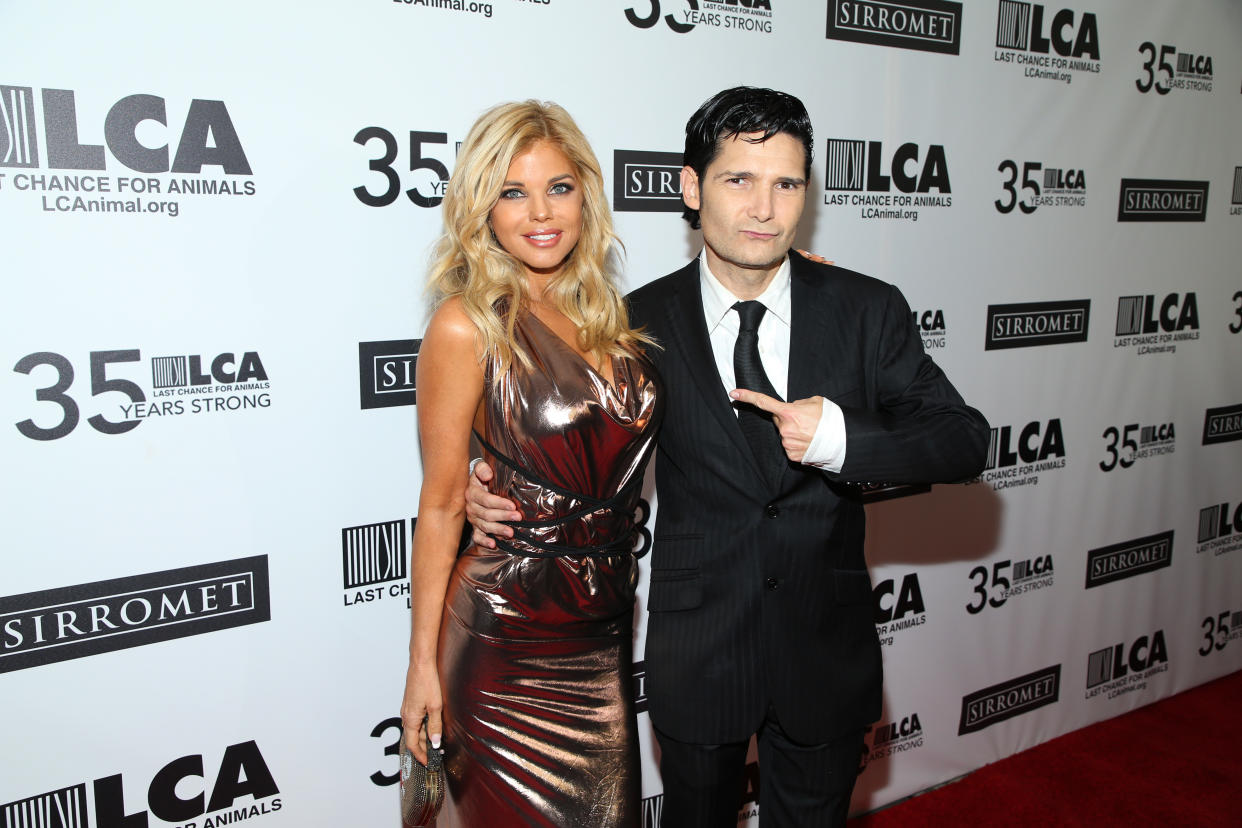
[535, 641]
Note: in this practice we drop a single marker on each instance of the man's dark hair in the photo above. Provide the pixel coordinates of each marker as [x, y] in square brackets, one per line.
[742, 109]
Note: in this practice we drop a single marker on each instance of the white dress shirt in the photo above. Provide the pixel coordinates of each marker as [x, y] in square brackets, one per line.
[827, 448]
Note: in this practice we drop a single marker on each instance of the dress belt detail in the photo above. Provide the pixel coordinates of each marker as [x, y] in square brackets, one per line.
[619, 546]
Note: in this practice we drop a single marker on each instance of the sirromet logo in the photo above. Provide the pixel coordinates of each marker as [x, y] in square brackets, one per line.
[386, 372]
[1151, 199]
[60, 624]
[1030, 324]
[1222, 425]
[646, 182]
[1129, 558]
[926, 25]
[991, 705]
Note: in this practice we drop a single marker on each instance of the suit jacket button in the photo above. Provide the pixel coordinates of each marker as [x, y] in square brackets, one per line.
[771, 583]
[771, 510]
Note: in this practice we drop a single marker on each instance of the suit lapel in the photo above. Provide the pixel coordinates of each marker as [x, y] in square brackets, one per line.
[810, 326]
[810, 330]
[688, 334]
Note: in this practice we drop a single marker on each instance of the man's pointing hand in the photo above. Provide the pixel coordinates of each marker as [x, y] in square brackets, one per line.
[796, 421]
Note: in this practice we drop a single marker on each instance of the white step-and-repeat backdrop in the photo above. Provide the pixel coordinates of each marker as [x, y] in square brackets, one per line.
[216, 221]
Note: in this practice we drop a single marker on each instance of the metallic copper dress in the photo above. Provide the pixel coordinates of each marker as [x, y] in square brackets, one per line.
[535, 639]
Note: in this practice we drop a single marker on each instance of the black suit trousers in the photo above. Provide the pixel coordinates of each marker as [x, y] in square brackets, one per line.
[801, 786]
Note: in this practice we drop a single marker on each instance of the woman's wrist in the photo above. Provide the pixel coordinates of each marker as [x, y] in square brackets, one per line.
[421, 657]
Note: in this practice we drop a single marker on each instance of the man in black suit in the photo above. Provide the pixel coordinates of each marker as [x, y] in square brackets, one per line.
[760, 612]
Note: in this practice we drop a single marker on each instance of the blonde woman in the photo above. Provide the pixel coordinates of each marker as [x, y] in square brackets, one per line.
[520, 655]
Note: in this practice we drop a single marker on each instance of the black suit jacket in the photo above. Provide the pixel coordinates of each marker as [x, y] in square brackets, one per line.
[760, 594]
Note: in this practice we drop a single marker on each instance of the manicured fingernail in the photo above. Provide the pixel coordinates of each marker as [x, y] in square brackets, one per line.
[435, 741]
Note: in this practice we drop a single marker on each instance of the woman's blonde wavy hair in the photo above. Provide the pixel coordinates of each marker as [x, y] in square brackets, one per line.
[469, 263]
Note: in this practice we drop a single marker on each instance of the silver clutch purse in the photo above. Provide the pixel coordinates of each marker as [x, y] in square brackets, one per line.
[422, 787]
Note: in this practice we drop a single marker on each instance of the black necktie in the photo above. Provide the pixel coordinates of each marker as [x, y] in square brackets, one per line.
[748, 373]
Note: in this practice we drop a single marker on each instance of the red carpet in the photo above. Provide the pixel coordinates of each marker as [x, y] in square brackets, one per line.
[1176, 762]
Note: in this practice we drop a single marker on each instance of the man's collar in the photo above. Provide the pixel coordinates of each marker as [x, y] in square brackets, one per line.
[718, 300]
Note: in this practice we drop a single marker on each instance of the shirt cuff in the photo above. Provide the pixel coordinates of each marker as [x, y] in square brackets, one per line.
[827, 448]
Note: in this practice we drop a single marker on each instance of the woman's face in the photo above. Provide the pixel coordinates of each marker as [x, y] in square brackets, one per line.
[538, 218]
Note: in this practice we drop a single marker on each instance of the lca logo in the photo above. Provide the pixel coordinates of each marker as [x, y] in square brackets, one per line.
[859, 165]
[897, 608]
[1216, 522]
[373, 554]
[906, 600]
[1028, 447]
[1116, 662]
[242, 773]
[652, 810]
[1021, 26]
[1143, 315]
[897, 735]
[208, 137]
[374, 562]
[931, 327]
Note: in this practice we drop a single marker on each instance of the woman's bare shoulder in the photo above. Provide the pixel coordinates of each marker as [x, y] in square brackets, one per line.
[451, 326]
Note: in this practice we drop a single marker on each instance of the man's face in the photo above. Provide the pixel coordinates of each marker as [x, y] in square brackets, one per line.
[749, 199]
